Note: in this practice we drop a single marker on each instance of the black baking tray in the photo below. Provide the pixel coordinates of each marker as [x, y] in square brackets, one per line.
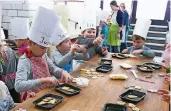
[150, 69]
[119, 55]
[106, 62]
[140, 95]
[114, 107]
[59, 99]
[153, 65]
[104, 68]
[59, 89]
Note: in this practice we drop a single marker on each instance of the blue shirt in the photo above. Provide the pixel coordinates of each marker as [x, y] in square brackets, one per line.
[104, 31]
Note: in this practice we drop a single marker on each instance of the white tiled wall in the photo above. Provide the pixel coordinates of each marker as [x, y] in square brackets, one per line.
[14, 9]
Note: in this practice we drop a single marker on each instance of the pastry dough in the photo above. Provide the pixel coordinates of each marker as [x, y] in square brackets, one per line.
[121, 103]
[65, 88]
[132, 96]
[135, 109]
[131, 105]
[126, 66]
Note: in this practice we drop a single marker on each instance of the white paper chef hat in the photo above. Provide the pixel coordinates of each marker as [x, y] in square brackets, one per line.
[88, 18]
[43, 26]
[141, 27]
[60, 34]
[104, 16]
[20, 28]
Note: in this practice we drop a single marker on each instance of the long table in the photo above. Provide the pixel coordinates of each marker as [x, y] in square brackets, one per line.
[103, 90]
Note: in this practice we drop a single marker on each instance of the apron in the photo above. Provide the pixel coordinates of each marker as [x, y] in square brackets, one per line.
[113, 37]
[39, 70]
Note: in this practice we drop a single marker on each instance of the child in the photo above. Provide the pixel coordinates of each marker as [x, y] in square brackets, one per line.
[104, 27]
[138, 38]
[34, 67]
[6, 101]
[20, 29]
[65, 51]
[89, 33]
[8, 64]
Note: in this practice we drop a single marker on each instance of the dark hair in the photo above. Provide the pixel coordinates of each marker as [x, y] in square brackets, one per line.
[114, 3]
[137, 37]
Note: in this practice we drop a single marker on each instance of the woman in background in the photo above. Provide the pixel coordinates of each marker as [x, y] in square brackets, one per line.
[115, 29]
[125, 27]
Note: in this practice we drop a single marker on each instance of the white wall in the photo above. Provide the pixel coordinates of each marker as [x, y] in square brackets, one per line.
[23, 9]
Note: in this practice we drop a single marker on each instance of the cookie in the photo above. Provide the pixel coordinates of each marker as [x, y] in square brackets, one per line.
[135, 109]
[131, 105]
[120, 103]
[132, 96]
[138, 87]
[65, 88]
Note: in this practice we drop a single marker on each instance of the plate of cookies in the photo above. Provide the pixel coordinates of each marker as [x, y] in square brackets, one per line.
[48, 101]
[68, 89]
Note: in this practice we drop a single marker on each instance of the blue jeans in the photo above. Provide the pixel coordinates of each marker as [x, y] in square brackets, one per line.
[114, 49]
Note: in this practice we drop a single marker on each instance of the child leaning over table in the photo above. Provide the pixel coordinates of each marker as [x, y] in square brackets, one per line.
[35, 69]
[138, 38]
[65, 53]
[20, 29]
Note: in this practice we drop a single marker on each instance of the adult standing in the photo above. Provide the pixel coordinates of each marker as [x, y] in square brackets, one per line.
[125, 29]
[115, 29]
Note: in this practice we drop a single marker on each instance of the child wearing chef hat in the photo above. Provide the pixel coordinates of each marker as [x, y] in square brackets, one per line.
[138, 38]
[20, 29]
[8, 66]
[88, 38]
[65, 51]
[35, 69]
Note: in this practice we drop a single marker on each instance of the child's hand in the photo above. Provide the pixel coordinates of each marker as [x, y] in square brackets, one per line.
[125, 51]
[135, 52]
[97, 41]
[166, 98]
[31, 94]
[104, 51]
[167, 78]
[50, 80]
[163, 91]
[66, 77]
[74, 48]
[82, 48]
